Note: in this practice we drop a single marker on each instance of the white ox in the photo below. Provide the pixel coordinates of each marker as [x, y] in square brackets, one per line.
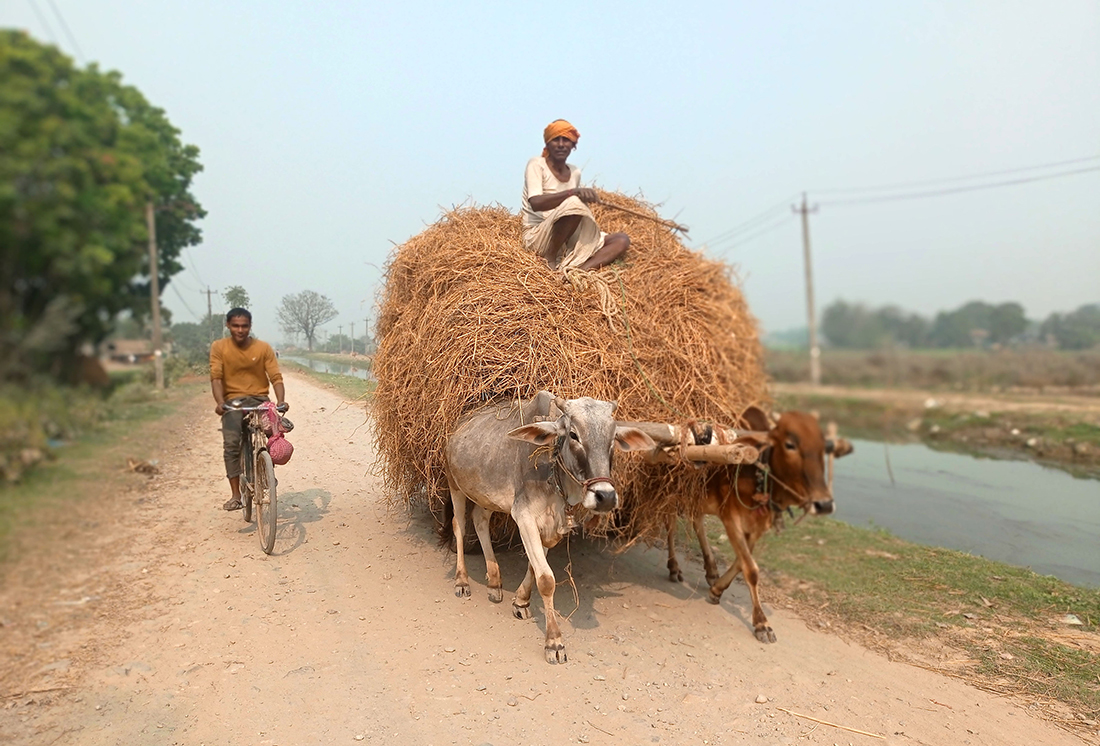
[505, 460]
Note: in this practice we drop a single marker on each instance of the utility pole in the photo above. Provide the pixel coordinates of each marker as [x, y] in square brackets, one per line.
[154, 296]
[815, 351]
[209, 313]
[340, 338]
[353, 339]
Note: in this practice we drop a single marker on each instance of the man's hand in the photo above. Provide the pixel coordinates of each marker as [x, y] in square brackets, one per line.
[220, 408]
[586, 195]
[283, 406]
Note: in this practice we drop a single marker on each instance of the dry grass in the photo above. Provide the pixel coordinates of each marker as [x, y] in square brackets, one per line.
[468, 316]
[1031, 369]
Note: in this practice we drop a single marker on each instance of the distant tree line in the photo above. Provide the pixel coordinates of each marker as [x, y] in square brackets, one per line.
[975, 324]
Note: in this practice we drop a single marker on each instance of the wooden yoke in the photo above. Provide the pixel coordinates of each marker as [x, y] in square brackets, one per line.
[676, 443]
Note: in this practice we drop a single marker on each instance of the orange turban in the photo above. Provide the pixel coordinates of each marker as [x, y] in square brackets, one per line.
[559, 128]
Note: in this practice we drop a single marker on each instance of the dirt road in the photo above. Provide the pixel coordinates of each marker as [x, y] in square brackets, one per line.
[154, 618]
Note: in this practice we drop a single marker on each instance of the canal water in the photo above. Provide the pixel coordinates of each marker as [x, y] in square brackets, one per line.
[326, 366]
[1016, 512]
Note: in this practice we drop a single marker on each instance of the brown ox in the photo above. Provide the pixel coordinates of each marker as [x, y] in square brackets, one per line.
[748, 498]
[536, 472]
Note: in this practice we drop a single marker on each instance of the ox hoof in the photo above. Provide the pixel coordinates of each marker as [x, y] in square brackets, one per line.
[496, 595]
[521, 612]
[714, 598]
[675, 576]
[555, 654]
[712, 579]
[462, 591]
[765, 634]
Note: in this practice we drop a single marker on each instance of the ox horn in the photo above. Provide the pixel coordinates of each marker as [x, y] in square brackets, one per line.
[560, 404]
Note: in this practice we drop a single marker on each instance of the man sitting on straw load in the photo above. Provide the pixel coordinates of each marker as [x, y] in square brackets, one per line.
[557, 223]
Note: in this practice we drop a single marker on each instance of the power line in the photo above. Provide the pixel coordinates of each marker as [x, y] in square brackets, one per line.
[957, 190]
[752, 222]
[749, 239]
[69, 34]
[177, 292]
[956, 179]
[42, 20]
[191, 265]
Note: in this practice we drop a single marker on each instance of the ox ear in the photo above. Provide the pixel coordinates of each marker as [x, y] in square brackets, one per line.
[756, 440]
[839, 447]
[633, 439]
[539, 433]
[755, 419]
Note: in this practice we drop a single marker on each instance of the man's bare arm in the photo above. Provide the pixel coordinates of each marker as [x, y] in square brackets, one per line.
[217, 387]
[544, 202]
[280, 393]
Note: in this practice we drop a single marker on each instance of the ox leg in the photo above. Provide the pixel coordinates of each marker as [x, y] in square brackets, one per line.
[521, 604]
[458, 524]
[544, 579]
[710, 563]
[747, 565]
[492, 569]
[674, 573]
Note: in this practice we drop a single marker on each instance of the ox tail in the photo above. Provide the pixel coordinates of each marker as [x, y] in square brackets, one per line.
[446, 527]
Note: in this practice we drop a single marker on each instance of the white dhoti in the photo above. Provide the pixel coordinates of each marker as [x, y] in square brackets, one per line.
[584, 242]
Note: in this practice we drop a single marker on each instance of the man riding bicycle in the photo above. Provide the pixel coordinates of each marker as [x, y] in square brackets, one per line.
[240, 368]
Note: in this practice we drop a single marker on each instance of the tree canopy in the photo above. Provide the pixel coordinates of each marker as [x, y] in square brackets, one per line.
[81, 155]
[303, 313]
[976, 323]
[237, 297]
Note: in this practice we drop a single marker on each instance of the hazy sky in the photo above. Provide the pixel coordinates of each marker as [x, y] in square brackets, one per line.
[330, 132]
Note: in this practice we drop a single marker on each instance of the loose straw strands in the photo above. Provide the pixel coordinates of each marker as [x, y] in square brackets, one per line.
[469, 316]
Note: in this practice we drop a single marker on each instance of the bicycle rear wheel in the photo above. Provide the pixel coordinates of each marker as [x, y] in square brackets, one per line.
[267, 507]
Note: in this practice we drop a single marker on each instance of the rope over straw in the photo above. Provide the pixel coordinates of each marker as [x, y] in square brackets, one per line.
[468, 316]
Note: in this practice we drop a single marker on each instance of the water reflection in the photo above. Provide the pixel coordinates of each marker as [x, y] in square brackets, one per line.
[1012, 511]
[329, 366]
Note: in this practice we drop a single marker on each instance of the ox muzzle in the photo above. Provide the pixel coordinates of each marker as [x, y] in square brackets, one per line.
[600, 495]
[822, 507]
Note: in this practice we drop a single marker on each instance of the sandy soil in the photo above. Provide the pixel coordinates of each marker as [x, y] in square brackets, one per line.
[154, 618]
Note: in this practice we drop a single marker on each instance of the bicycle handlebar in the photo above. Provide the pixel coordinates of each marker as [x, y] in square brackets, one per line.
[231, 407]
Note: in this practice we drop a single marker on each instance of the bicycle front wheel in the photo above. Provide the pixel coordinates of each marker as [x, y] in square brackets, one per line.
[263, 497]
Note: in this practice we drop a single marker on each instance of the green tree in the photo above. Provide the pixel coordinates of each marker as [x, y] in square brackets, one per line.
[976, 321]
[81, 155]
[1078, 330]
[237, 297]
[852, 326]
[188, 336]
[303, 313]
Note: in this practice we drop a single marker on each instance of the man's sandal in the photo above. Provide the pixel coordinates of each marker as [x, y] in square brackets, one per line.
[232, 504]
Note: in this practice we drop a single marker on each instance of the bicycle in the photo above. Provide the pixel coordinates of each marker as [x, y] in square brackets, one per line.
[258, 472]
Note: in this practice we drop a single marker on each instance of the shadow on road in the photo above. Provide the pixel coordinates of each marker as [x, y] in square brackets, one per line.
[296, 511]
[587, 570]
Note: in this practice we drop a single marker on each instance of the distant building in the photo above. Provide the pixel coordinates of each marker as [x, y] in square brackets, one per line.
[130, 351]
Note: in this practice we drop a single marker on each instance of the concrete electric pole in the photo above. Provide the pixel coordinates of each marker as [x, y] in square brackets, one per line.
[811, 318]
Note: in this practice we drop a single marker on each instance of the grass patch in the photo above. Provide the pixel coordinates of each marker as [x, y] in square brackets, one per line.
[350, 387]
[94, 456]
[999, 627]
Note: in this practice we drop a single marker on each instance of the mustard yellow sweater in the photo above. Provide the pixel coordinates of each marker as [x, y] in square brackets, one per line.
[244, 372]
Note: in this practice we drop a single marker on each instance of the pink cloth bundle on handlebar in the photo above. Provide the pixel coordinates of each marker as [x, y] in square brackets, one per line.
[278, 447]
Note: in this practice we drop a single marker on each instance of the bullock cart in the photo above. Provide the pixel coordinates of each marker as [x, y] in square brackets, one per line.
[468, 319]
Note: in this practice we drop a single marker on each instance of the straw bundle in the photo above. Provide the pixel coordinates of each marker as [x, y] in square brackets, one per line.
[468, 316]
